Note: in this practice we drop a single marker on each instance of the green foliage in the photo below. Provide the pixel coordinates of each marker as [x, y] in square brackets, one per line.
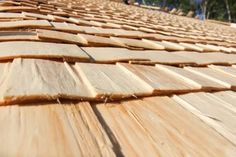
[214, 9]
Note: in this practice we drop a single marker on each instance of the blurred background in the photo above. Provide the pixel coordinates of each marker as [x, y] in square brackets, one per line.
[222, 10]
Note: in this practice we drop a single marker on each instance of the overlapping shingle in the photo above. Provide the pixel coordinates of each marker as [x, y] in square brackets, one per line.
[25, 23]
[163, 127]
[30, 79]
[61, 36]
[222, 78]
[193, 124]
[51, 129]
[215, 112]
[16, 49]
[111, 81]
[161, 81]
[203, 82]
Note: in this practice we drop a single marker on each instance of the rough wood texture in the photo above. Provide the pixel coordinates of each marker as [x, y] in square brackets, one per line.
[25, 23]
[163, 127]
[204, 83]
[15, 49]
[227, 70]
[30, 79]
[164, 57]
[138, 43]
[227, 96]
[100, 41]
[207, 58]
[53, 130]
[111, 81]
[111, 55]
[60, 36]
[216, 113]
[160, 81]
[18, 36]
[197, 125]
[217, 76]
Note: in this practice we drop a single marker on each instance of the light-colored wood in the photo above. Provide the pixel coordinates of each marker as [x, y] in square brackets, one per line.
[17, 8]
[127, 131]
[111, 55]
[207, 58]
[18, 36]
[4, 68]
[98, 31]
[11, 16]
[110, 80]
[30, 79]
[227, 96]
[167, 45]
[52, 130]
[61, 36]
[203, 82]
[84, 22]
[146, 30]
[212, 111]
[62, 26]
[165, 57]
[25, 23]
[161, 81]
[217, 76]
[138, 43]
[100, 41]
[164, 127]
[38, 16]
[225, 69]
[191, 47]
[15, 49]
[208, 48]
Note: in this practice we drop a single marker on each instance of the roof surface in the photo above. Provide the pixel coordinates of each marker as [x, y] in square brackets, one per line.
[100, 78]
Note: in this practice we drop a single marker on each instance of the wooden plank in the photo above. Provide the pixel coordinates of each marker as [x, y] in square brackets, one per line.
[208, 48]
[225, 69]
[217, 76]
[25, 23]
[59, 18]
[98, 31]
[4, 68]
[191, 47]
[127, 133]
[212, 111]
[138, 43]
[100, 41]
[63, 26]
[84, 22]
[175, 128]
[164, 128]
[165, 57]
[161, 81]
[15, 49]
[127, 33]
[192, 78]
[52, 130]
[38, 16]
[42, 80]
[206, 58]
[108, 55]
[111, 55]
[110, 81]
[9, 16]
[227, 96]
[61, 36]
[167, 45]
[17, 9]
[18, 36]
